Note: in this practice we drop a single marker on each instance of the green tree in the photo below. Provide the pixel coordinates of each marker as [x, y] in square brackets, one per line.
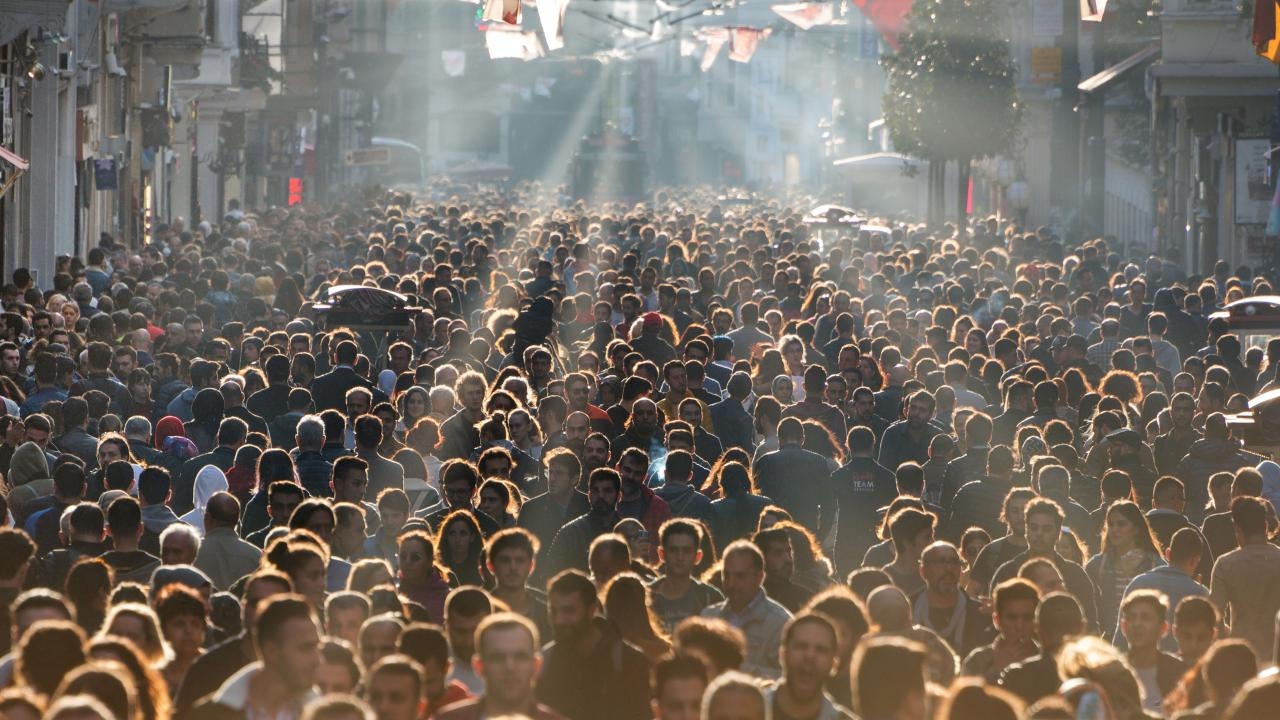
[951, 93]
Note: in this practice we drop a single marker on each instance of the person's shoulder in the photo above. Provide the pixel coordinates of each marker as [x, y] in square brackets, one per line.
[465, 709]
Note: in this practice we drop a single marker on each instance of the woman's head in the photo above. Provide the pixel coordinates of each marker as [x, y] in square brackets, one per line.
[302, 557]
[416, 555]
[627, 604]
[499, 498]
[1127, 528]
[460, 542]
[413, 403]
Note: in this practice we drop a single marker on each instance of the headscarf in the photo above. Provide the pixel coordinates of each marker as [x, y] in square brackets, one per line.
[209, 480]
[28, 463]
[168, 427]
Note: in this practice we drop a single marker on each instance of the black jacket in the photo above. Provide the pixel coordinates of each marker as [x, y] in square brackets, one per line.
[270, 401]
[735, 517]
[861, 486]
[797, 480]
[978, 503]
[734, 425]
[329, 391]
[571, 544]
[686, 502]
[613, 675]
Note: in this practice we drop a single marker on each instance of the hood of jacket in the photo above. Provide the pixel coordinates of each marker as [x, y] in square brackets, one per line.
[28, 463]
[207, 407]
[158, 517]
[678, 495]
[209, 480]
[1212, 449]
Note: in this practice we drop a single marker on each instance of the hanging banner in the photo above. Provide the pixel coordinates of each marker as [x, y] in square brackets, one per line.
[805, 15]
[744, 42]
[551, 14]
[455, 62]
[715, 38]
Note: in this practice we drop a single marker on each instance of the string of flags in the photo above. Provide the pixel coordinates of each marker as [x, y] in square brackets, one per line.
[502, 22]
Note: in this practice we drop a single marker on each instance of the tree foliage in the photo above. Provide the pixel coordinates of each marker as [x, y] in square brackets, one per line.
[951, 91]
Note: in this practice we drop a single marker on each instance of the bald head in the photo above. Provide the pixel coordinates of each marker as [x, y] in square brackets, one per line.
[898, 374]
[222, 510]
[889, 608]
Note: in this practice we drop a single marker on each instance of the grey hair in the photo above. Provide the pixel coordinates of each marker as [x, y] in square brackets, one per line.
[138, 427]
[180, 528]
[311, 431]
[734, 680]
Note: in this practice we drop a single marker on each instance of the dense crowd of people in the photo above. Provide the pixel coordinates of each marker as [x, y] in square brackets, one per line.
[677, 461]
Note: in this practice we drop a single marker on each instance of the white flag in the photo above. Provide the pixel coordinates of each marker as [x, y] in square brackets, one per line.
[551, 13]
[455, 62]
[715, 38]
[744, 43]
[514, 44]
[502, 11]
[805, 15]
[688, 46]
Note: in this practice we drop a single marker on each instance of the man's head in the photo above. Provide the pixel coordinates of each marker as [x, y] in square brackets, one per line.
[1143, 618]
[179, 544]
[1058, 617]
[339, 672]
[677, 685]
[743, 573]
[395, 688]
[679, 546]
[511, 553]
[734, 696]
[920, 410]
[378, 637]
[287, 640]
[808, 654]
[283, 497]
[1044, 525]
[604, 490]
[350, 479]
[889, 678]
[344, 614]
[507, 657]
[459, 479]
[1195, 626]
[911, 531]
[572, 603]
[644, 417]
[564, 470]
[1015, 602]
[464, 608]
[940, 566]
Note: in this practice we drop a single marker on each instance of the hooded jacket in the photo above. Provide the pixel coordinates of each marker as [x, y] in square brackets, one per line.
[209, 480]
[28, 476]
[207, 412]
[180, 405]
[689, 503]
[1206, 457]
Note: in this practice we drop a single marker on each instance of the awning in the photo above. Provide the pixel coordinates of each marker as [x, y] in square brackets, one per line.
[1104, 79]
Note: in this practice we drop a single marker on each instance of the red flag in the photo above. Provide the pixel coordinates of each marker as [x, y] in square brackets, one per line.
[744, 42]
[715, 38]
[887, 16]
